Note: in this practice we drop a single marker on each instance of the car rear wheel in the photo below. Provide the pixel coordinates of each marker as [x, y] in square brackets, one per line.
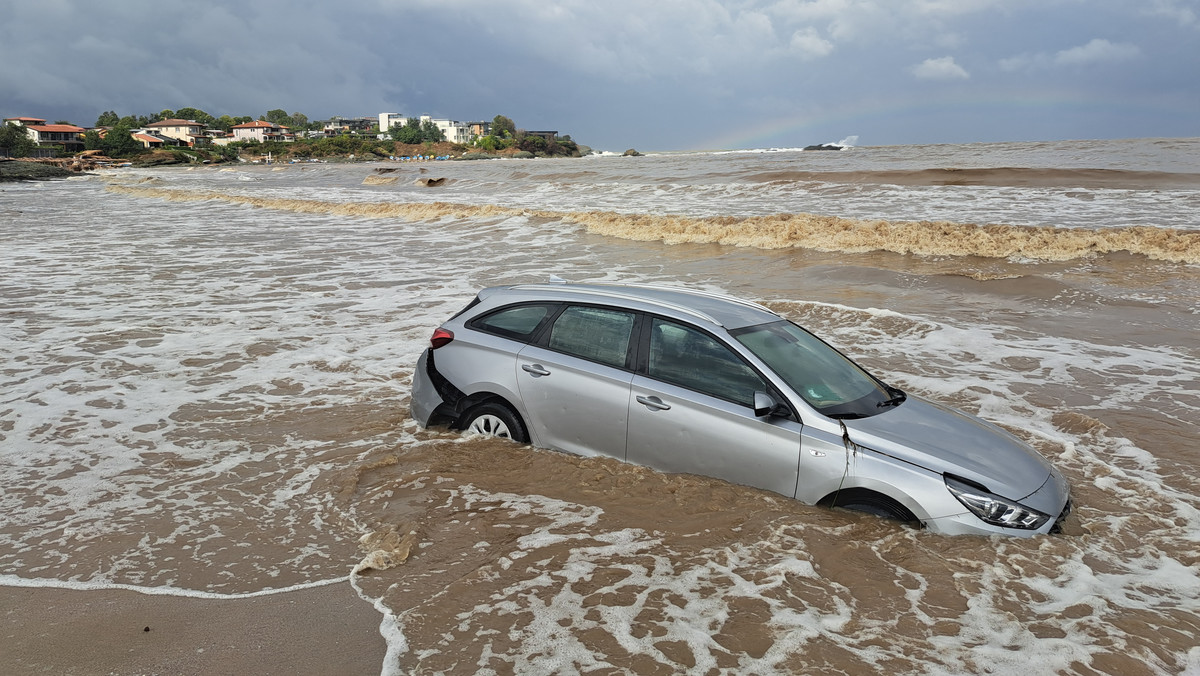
[495, 420]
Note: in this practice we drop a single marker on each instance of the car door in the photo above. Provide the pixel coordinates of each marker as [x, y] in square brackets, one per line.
[575, 381]
[692, 412]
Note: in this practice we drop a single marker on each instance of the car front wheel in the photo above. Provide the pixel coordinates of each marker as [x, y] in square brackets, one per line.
[495, 420]
[861, 500]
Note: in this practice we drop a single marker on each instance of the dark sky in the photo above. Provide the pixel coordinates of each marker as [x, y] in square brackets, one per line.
[664, 75]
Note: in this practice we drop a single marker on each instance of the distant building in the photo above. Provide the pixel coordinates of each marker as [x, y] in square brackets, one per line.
[454, 131]
[480, 128]
[339, 125]
[148, 140]
[27, 121]
[49, 137]
[262, 131]
[389, 120]
[190, 132]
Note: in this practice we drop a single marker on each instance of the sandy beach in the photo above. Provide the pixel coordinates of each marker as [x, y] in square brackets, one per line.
[322, 630]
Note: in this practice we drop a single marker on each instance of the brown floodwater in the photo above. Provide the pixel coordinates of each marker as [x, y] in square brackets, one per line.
[205, 387]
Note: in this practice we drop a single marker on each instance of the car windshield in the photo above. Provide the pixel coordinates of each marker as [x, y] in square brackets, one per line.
[827, 380]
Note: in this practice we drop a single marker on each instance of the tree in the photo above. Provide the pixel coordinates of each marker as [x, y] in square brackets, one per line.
[299, 121]
[225, 123]
[197, 115]
[431, 133]
[502, 126]
[533, 144]
[92, 140]
[409, 132]
[107, 119]
[119, 143]
[279, 116]
[15, 139]
[164, 114]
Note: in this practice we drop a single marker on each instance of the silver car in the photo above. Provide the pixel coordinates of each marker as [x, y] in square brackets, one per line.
[693, 382]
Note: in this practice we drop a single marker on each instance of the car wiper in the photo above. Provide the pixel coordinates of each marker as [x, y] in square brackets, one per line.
[898, 397]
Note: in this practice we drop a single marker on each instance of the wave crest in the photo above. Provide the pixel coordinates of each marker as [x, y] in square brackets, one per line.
[1117, 179]
[778, 231]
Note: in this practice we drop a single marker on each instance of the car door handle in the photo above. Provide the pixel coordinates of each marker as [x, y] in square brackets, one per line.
[535, 369]
[654, 403]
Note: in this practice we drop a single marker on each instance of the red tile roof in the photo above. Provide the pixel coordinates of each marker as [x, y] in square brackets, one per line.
[254, 124]
[57, 127]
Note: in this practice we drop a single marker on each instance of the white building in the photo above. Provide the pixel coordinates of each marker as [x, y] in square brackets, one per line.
[389, 120]
[455, 132]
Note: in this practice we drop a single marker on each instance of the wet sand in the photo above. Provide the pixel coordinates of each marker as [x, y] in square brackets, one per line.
[321, 630]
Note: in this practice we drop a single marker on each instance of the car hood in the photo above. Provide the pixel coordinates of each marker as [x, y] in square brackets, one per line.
[944, 440]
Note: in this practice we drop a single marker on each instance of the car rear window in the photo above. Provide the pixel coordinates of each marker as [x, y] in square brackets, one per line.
[518, 322]
[593, 333]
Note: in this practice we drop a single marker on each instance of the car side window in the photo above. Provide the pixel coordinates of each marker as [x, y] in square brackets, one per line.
[518, 322]
[690, 358]
[593, 333]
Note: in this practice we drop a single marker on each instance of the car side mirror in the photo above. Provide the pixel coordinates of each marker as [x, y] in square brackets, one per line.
[764, 405]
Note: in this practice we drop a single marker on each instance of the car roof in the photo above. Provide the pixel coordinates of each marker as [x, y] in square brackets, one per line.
[722, 310]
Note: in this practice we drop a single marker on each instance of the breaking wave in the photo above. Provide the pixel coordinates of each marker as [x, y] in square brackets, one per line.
[777, 231]
[995, 176]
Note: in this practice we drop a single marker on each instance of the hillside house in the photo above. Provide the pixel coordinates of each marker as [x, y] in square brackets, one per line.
[262, 131]
[49, 137]
[190, 132]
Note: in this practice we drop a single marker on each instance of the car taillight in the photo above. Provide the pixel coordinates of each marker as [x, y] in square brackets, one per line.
[440, 337]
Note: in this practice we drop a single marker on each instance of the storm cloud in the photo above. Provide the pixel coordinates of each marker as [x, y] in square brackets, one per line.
[623, 73]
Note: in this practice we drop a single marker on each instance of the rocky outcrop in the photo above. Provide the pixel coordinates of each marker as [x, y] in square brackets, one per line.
[33, 170]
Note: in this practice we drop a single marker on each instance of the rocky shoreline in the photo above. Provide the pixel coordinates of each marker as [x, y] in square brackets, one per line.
[22, 170]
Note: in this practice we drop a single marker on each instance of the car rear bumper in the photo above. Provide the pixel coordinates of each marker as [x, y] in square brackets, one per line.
[425, 397]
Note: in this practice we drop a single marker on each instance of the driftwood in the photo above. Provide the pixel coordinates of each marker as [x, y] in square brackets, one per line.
[88, 160]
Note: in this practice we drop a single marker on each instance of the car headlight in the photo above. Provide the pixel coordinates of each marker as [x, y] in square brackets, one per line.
[993, 509]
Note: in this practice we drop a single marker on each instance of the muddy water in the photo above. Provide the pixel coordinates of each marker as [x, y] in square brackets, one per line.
[204, 392]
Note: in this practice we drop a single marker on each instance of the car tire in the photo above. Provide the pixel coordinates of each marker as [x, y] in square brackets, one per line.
[493, 419]
[873, 503]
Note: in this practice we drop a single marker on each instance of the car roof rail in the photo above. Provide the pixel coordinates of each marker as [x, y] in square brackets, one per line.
[578, 288]
[705, 294]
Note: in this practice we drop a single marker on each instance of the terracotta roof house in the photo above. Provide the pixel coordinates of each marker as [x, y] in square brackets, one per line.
[148, 141]
[262, 131]
[27, 121]
[66, 136]
[188, 131]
